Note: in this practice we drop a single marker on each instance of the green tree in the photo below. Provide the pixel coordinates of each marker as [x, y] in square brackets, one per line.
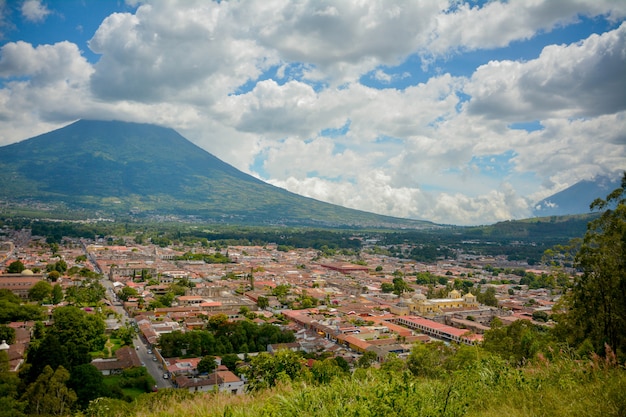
[57, 294]
[540, 315]
[40, 291]
[166, 299]
[16, 267]
[8, 296]
[49, 352]
[126, 334]
[217, 320]
[7, 334]
[425, 277]
[488, 297]
[427, 359]
[127, 292]
[324, 371]
[597, 300]
[54, 247]
[400, 285]
[463, 357]
[230, 361]
[517, 343]
[39, 331]
[281, 290]
[49, 395]
[10, 406]
[265, 370]
[342, 363]
[137, 377]
[262, 302]
[88, 293]
[59, 266]
[207, 365]
[76, 328]
[366, 360]
[88, 384]
[393, 364]
[10, 311]
[54, 275]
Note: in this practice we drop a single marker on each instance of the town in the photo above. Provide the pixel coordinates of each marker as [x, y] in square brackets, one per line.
[360, 307]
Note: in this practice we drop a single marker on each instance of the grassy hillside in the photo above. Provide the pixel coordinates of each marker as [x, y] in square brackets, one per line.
[486, 387]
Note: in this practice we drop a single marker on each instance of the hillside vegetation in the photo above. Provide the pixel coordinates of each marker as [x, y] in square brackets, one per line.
[519, 240]
[484, 386]
[139, 171]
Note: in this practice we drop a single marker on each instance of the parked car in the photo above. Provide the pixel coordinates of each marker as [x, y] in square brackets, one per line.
[165, 376]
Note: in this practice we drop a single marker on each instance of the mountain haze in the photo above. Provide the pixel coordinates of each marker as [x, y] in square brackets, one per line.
[119, 168]
[577, 198]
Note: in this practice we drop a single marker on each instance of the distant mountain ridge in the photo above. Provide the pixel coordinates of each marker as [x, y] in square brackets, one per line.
[577, 198]
[137, 169]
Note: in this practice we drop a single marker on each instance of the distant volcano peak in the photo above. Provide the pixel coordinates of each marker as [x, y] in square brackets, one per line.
[138, 169]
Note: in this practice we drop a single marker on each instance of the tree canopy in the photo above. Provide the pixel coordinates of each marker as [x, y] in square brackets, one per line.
[49, 395]
[223, 337]
[12, 309]
[40, 291]
[207, 365]
[265, 369]
[15, 267]
[597, 299]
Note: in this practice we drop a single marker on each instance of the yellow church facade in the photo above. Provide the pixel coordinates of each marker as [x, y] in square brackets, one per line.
[422, 306]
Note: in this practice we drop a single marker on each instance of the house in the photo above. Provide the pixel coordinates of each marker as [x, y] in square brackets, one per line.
[15, 355]
[182, 367]
[195, 384]
[229, 382]
[126, 357]
[222, 381]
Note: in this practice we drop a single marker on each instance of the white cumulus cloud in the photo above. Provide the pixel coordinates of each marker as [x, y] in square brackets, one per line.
[279, 89]
[35, 10]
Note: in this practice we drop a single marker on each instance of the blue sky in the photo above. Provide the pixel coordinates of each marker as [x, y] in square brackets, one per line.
[455, 112]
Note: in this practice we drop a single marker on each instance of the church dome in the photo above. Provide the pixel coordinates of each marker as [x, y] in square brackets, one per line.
[419, 297]
[27, 272]
[454, 294]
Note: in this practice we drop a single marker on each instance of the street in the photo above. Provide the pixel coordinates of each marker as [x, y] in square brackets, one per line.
[154, 368]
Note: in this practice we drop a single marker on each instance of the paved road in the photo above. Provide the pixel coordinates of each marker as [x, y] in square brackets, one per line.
[154, 368]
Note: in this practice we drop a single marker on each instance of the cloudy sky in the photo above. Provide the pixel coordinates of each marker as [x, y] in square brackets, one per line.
[450, 111]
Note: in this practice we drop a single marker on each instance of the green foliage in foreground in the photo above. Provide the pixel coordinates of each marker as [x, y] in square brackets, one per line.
[485, 387]
[597, 301]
